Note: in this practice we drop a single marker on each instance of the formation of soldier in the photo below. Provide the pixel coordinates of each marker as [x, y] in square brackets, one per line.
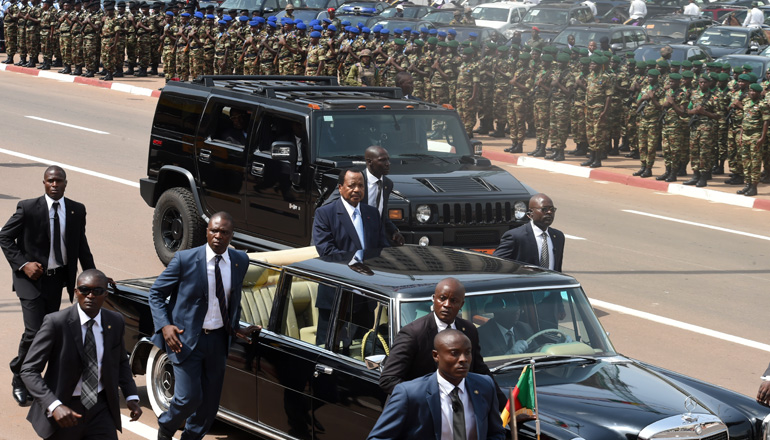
[702, 114]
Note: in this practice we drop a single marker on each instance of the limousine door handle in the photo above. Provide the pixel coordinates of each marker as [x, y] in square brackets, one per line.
[205, 155]
[319, 368]
[257, 169]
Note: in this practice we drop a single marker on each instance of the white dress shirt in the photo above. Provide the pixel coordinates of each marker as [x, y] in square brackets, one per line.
[591, 5]
[443, 325]
[637, 10]
[539, 239]
[350, 210]
[692, 9]
[371, 191]
[98, 331]
[213, 319]
[52, 264]
[754, 17]
[446, 409]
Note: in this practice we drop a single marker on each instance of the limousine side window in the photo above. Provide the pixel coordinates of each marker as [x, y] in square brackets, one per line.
[307, 311]
[362, 327]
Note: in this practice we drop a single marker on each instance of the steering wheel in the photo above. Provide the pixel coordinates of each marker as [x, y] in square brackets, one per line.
[563, 335]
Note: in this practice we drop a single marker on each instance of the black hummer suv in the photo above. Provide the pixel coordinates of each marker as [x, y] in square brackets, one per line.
[268, 150]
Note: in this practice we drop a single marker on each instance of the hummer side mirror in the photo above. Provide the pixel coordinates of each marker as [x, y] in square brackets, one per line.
[476, 144]
[283, 150]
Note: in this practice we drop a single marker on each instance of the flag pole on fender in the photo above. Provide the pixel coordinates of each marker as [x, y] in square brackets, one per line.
[514, 428]
[534, 391]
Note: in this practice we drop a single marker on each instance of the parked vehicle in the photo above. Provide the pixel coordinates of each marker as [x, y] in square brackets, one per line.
[724, 40]
[758, 63]
[677, 29]
[622, 38]
[651, 52]
[499, 14]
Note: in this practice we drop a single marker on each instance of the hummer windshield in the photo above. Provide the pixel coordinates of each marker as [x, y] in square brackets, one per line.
[347, 134]
[527, 323]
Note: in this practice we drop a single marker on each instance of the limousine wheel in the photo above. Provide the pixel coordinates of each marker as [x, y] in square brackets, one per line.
[176, 224]
[160, 380]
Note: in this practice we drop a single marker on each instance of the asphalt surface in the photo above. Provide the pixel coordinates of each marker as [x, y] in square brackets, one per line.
[699, 263]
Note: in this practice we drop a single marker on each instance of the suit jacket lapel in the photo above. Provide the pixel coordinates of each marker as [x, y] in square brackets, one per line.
[479, 404]
[200, 262]
[45, 221]
[344, 219]
[365, 198]
[434, 404]
[73, 322]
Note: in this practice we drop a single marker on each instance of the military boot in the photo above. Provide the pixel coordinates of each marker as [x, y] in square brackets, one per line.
[558, 156]
[719, 168]
[500, 132]
[597, 163]
[703, 179]
[665, 174]
[22, 61]
[640, 171]
[647, 173]
[541, 151]
[118, 73]
[57, 63]
[31, 63]
[744, 189]
[78, 71]
[88, 74]
[537, 148]
[589, 161]
[154, 69]
[67, 69]
[682, 170]
[483, 128]
[695, 178]
[141, 72]
[9, 60]
[633, 155]
[752, 191]
[672, 174]
[130, 70]
[107, 77]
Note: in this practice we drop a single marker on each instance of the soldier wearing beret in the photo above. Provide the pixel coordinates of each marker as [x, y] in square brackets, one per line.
[562, 86]
[467, 90]
[703, 110]
[521, 84]
[756, 115]
[648, 114]
[503, 69]
[110, 31]
[674, 126]
[738, 96]
[542, 104]
[599, 89]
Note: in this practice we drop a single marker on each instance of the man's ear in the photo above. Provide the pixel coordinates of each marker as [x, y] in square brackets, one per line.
[435, 356]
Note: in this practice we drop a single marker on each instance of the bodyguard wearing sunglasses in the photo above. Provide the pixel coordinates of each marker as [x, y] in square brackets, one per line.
[535, 243]
[82, 352]
[43, 242]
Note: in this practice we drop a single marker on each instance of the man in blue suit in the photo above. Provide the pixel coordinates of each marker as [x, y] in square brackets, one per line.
[449, 404]
[347, 225]
[195, 327]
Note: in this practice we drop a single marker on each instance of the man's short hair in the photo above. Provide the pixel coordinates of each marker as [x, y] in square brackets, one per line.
[343, 173]
[401, 77]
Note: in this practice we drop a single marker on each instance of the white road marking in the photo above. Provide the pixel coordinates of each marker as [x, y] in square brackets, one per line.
[71, 168]
[67, 125]
[681, 325]
[572, 237]
[139, 428]
[701, 225]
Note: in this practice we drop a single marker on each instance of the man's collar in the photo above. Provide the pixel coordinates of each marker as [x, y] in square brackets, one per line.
[371, 177]
[49, 201]
[85, 318]
[348, 207]
[536, 229]
[441, 325]
[210, 254]
[446, 387]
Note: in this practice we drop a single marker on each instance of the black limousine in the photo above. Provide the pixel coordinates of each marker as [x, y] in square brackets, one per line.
[298, 381]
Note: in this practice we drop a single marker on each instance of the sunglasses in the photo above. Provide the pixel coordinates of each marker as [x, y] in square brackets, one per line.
[95, 291]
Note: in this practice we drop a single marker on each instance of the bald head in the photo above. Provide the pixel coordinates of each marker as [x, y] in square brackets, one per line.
[449, 335]
[92, 275]
[541, 211]
[377, 161]
[448, 299]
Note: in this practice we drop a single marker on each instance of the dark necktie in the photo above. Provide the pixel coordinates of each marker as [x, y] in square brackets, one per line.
[220, 288]
[378, 196]
[90, 387]
[544, 259]
[57, 235]
[458, 415]
[509, 339]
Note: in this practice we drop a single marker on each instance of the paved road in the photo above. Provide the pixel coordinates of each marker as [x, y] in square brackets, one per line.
[682, 270]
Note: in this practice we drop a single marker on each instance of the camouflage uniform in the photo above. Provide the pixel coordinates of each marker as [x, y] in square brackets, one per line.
[485, 103]
[182, 54]
[11, 28]
[47, 20]
[110, 31]
[599, 87]
[560, 109]
[251, 56]
[649, 124]
[419, 63]
[119, 54]
[78, 41]
[467, 78]
[91, 41]
[439, 85]
[314, 54]
[401, 60]
[21, 31]
[755, 114]
[518, 103]
[197, 37]
[720, 151]
[674, 129]
[505, 67]
[266, 57]
[303, 42]
[65, 36]
[33, 32]
[703, 131]
[734, 154]
[222, 49]
[542, 104]
[132, 40]
[285, 55]
[364, 75]
[329, 57]
[169, 50]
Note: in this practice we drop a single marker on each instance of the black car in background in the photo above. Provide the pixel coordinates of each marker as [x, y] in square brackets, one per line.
[725, 40]
[675, 29]
[289, 383]
[622, 38]
[554, 17]
[398, 23]
[758, 63]
[440, 16]
[485, 34]
[651, 52]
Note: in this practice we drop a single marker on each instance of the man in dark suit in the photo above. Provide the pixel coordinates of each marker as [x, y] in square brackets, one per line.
[405, 82]
[347, 225]
[447, 404]
[196, 334]
[410, 357]
[84, 357]
[535, 243]
[504, 333]
[377, 189]
[43, 242]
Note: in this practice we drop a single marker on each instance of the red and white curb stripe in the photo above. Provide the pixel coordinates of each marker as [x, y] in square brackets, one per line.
[117, 86]
[611, 176]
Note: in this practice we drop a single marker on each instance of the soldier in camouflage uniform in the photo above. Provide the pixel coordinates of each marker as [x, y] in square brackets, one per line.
[110, 33]
[168, 48]
[314, 53]
[504, 68]
[704, 113]
[542, 104]
[578, 113]
[303, 42]
[331, 52]
[674, 126]
[197, 36]
[268, 50]
[76, 37]
[156, 31]
[182, 51]
[486, 89]
[239, 32]
[32, 18]
[418, 67]
[131, 37]
[439, 77]
[365, 72]
[720, 152]
[599, 90]
[562, 86]
[124, 19]
[648, 111]
[756, 115]
[616, 107]
[10, 23]
[208, 35]
[21, 33]
[222, 50]
[47, 20]
[65, 18]
[455, 59]
[521, 84]
[398, 62]
[735, 109]
[287, 47]
[467, 90]
[251, 47]
[92, 22]
[143, 23]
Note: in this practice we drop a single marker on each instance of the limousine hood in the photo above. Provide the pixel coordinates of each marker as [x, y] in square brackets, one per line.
[615, 399]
